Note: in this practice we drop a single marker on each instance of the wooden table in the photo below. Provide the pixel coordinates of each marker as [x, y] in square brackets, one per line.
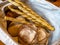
[57, 3]
[1, 43]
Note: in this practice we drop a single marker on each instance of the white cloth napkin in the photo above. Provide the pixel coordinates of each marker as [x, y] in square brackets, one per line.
[49, 12]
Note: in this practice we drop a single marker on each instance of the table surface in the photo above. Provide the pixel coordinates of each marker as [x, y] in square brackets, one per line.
[1, 43]
[57, 3]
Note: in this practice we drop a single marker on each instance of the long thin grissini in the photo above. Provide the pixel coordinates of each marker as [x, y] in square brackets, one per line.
[34, 15]
[32, 12]
[34, 20]
[28, 10]
[28, 14]
[21, 20]
[22, 14]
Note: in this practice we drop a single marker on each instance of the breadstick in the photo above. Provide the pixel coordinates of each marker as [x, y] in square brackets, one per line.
[22, 14]
[36, 15]
[43, 22]
[21, 20]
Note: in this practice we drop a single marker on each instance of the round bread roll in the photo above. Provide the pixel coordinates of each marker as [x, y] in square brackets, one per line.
[13, 30]
[27, 34]
[41, 34]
